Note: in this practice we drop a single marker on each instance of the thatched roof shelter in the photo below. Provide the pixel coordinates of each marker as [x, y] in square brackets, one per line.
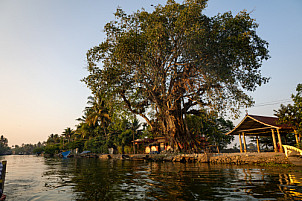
[254, 125]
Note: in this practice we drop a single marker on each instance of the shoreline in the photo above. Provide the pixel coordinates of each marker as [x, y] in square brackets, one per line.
[265, 158]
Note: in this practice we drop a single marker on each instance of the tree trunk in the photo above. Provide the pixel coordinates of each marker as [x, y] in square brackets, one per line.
[173, 127]
[177, 133]
[218, 149]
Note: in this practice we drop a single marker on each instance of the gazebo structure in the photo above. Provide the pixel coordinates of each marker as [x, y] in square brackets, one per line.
[255, 126]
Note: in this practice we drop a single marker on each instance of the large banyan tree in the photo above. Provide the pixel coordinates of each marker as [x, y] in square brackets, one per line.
[167, 64]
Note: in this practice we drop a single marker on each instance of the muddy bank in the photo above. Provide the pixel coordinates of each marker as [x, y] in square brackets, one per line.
[225, 158]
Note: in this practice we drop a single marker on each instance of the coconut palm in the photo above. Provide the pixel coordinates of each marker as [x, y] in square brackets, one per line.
[68, 133]
[97, 112]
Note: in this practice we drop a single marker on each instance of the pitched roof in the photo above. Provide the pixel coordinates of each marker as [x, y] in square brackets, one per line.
[271, 121]
[257, 125]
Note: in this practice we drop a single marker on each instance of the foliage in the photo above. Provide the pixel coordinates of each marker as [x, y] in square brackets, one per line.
[53, 139]
[97, 113]
[38, 150]
[212, 127]
[164, 64]
[52, 149]
[265, 142]
[68, 133]
[97, 145]
[28, 149]
[96, 136]
[289, 139]
[120, 134]
[299, 145]
[76, 144]
[291, 114]
[3, 145]
[235, 148]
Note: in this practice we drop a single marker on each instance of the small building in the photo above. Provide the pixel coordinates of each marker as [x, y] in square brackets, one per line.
[158, 144]
[260, 126]
[139, 143]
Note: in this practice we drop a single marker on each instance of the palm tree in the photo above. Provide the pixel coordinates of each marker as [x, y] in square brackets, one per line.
[97, 112]
[134, 126]
[84, 130]
[3, 140]
[50, 139]
[67, 133]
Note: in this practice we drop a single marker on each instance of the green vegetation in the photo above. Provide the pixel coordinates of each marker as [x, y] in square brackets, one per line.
[173, 62]
[28, 149]
[4, 149]
[104, 125]
[98, 130]
[177, 69]
[291, 115]
[212, 127]
[118, 131]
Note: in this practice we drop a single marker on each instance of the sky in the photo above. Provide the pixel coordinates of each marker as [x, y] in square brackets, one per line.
[43, 47]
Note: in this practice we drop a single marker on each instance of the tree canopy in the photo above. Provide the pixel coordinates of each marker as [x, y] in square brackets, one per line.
[3, 145]
[211, 127]
[175, 60]
[291, 114]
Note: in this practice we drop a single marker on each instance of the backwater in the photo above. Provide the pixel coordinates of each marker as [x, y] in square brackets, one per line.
[39, 178]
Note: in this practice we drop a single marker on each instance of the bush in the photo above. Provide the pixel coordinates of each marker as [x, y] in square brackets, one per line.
[52, 149]
[128, 150]
[38, 150]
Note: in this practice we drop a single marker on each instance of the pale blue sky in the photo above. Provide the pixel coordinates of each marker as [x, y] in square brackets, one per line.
[43, 45]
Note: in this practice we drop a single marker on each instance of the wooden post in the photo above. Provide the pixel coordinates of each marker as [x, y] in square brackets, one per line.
[258, 147]
[244, 143]
[280, 141]
[274, 141]
[133, 143]
[296, 135]
[240, 142]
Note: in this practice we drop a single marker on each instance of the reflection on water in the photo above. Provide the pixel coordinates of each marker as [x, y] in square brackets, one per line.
[37, 178]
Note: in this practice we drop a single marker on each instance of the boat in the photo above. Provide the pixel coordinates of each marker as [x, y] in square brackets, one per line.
[2, 179]
[88, 154]
[85, 152]
[65, 154]
[291, 151]
[293, 154]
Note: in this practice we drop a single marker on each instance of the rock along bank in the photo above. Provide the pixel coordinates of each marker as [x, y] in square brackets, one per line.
[265, 158]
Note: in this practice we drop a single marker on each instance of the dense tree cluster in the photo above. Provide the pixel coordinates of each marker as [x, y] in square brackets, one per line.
[176, 68]
[174, 62]
[97, 131]
[291, 114]
[212, 128]
[28, 149]
[4, 149]
[119, 131]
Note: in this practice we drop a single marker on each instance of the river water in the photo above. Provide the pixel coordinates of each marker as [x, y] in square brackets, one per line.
[38, 178]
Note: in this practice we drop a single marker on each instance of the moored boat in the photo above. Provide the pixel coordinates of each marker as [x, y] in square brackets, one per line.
[293, 154]
[2, 179]
[65, 154]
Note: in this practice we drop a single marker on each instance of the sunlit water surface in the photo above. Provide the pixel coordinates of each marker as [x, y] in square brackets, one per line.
[38, 178]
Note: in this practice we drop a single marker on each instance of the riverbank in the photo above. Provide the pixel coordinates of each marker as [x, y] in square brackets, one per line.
[266, 158]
